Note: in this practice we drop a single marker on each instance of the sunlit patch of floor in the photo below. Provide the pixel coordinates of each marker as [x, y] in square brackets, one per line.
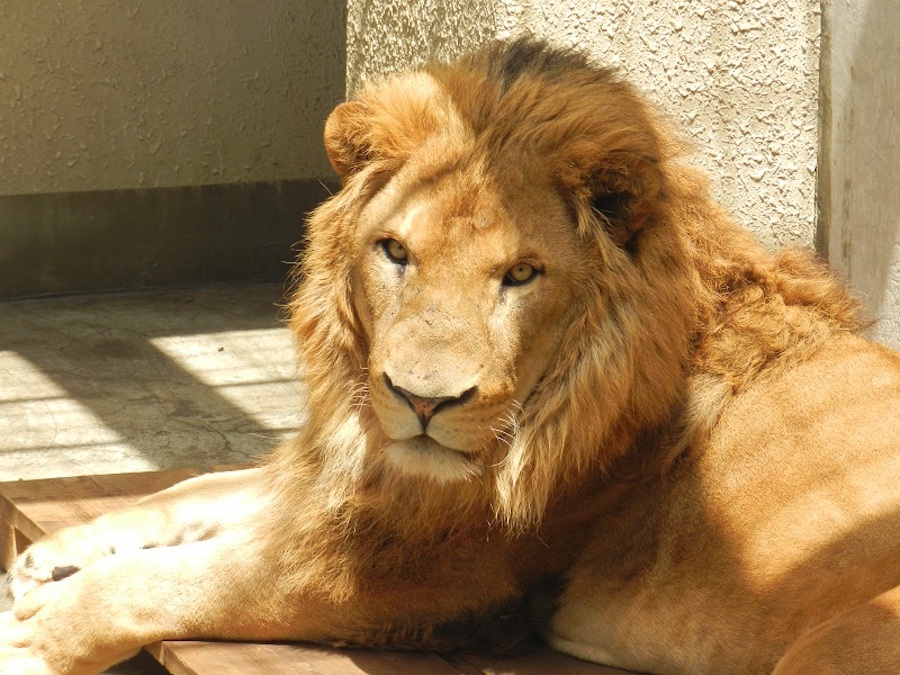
[141, 381]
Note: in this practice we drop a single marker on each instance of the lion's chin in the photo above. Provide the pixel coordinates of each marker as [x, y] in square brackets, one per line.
[424, 457]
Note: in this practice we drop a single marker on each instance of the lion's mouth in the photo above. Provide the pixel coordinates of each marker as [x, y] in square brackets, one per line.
[426, 444]
[422, 455]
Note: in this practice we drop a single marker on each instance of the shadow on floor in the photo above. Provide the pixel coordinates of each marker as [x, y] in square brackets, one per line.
[142, 381]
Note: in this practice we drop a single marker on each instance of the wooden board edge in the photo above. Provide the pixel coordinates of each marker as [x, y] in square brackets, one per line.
[459, 661]
[12, 543]
[168, 659]
[19, 521]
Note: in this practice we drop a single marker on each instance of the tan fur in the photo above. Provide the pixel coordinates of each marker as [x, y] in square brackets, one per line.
[668, 450]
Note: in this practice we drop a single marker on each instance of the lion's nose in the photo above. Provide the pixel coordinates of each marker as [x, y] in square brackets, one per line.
[427, 407]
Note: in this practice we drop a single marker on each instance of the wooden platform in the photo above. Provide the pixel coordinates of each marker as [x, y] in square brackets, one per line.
[29, 509]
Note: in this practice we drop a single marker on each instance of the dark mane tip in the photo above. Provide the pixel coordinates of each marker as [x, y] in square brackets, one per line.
[525, 55]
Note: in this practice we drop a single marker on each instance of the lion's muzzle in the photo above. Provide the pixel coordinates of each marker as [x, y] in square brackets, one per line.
[427, 407]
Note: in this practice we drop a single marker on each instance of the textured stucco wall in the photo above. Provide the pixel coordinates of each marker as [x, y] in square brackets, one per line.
[861, 154]
[740, 78]
[157, 93]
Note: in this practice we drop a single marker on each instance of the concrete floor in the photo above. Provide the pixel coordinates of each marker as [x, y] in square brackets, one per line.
[142, 381]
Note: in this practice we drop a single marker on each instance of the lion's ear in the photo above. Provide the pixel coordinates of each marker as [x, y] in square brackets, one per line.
[625, 191]
[346, 138]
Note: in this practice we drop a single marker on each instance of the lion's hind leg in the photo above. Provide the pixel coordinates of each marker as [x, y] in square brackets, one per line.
[865, 639]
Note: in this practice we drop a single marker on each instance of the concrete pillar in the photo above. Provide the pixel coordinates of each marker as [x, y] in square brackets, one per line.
[860, 162]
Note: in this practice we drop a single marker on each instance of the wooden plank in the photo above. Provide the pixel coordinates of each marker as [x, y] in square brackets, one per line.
[232, 658]
[137, 485]
[36, 507]
[8, 551]
[25, 504]
[537, 661]
[231, 467]
[12, 543]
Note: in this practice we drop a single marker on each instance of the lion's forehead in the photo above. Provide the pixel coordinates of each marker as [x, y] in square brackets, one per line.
[455, 216]
[471, 213]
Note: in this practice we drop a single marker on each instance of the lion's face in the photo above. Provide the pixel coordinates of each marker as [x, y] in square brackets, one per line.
[464, 289]
[497, 271]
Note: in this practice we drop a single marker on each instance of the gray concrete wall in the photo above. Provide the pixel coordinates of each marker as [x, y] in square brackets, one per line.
[139, 139]
[860, 161]
[740, 78]
[160, 93]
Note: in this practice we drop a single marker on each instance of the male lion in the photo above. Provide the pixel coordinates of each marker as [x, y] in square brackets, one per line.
[552, 388]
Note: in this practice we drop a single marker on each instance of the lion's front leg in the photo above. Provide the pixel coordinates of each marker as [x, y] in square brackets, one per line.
[192, 510]
[222, 587]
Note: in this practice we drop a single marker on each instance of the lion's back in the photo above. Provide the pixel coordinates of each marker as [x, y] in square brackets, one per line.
[788, 513]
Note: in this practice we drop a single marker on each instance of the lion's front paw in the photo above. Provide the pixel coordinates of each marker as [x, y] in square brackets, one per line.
[55, 557]
[61, 628]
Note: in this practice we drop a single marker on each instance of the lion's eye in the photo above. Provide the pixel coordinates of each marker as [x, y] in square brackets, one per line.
[395, 251]
[520, 274]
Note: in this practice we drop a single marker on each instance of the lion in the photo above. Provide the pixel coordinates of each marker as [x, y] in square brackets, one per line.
[554, 391]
